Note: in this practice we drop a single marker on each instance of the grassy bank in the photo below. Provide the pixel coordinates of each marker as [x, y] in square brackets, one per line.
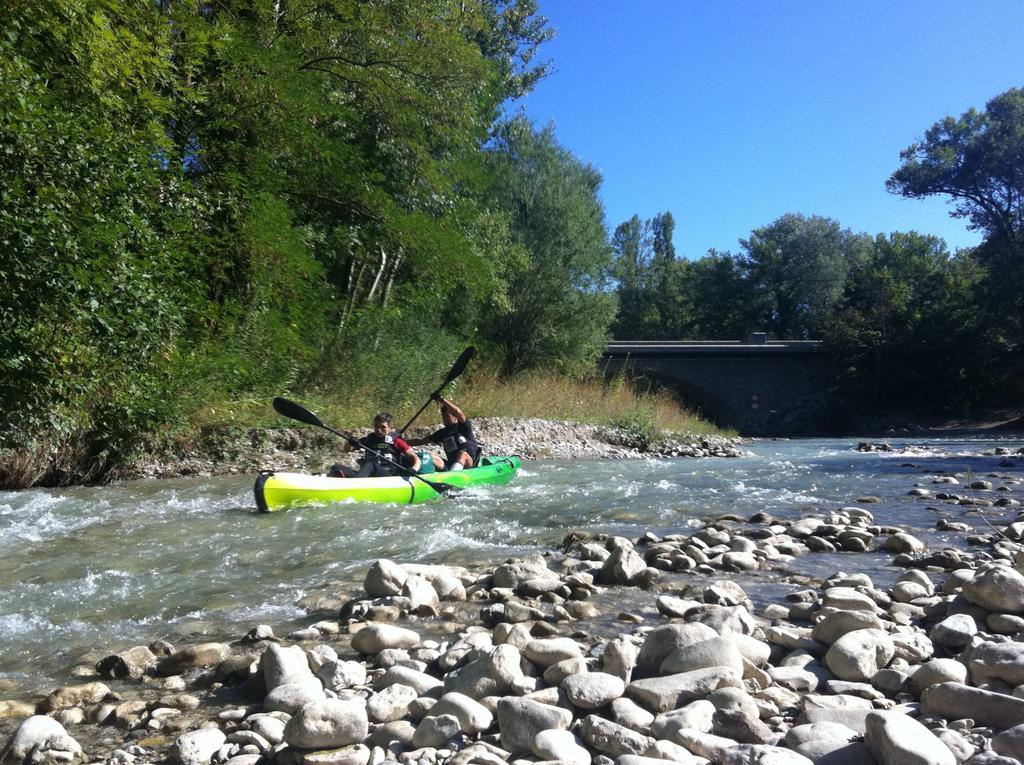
[617, 402]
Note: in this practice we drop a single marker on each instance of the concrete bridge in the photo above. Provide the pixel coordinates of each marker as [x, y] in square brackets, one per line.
[756, 386]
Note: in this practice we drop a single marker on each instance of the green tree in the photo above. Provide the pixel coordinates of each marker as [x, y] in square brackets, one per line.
[718, 298]
[555, 309]
[797, 267]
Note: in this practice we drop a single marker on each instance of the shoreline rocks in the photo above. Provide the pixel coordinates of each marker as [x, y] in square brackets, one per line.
[505, 666]
[235, 450]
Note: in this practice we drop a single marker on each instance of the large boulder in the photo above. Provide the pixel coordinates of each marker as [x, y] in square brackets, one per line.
[956, 701]
[592, 690]
[384, 578]
[520, 720]
[661, 694]
[41, 740]
[999, 588]
[858, 655]
[661, 641]
[897, 739]
[328, 724]
[280, 665]
[492, 674]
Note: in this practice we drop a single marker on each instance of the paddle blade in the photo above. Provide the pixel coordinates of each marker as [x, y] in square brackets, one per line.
[294, 411]
[460, 365]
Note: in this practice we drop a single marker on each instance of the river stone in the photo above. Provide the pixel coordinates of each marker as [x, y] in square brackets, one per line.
[520, 720]
[384, 578]
[697, 715]
[725, 620]
[592, 690]
[660, 694]
[133, 663]
[421, 594]
[291, 697]
[280, 665]
[268, 726]
[673, 607]
[706, 745]
[989, 661]
[719, 651]
[902, 542]
[436, 731]
[473, 716]
[624, 566]
[661, 641]
[843, 709]
[74, 696]
[1010, 743]
[560, 745]
[819, 731]
[847, 599]
[355, 754]
[10, 709]
[547, 651]
[912, 647]
[999, 588]
[511, 574]
[612, 739]
[835, 624]
[556, 673]
[954, 632]
[794, 678]
[197, 747]
[339, 675]
[744, 728]
[41, 740]
[328, 724]
[375, 638]
[896, 739]
[937, 671]
[734, 700]
[620, 658]
[956, 701]
[858, 655]
[193, 657]
[423, 683]
[492, 674]
[836, 753]
[762, 754]
[627, 712]
[1005, 624]
[390, 704]
[961, 748]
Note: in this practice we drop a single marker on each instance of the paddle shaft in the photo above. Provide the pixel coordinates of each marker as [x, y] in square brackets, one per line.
[455, 371]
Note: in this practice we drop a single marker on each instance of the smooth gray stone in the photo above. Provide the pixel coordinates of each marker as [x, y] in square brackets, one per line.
[661, 641]
[611, 738]
[40, 739]
[520, 720]
[896, 739]
[956, 701]
[661, 694]
[328, 724]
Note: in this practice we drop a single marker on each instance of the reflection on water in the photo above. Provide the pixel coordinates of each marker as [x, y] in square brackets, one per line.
[87, 570]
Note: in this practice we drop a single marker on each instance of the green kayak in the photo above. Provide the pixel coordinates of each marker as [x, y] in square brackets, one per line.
[276, 491]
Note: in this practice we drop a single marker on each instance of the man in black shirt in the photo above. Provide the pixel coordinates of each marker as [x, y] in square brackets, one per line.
[456, 438]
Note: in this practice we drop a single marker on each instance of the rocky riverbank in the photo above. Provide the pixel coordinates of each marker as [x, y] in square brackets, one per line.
[608, 650]
[233, 450]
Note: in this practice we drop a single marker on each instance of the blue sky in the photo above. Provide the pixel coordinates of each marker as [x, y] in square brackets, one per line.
[730, 114]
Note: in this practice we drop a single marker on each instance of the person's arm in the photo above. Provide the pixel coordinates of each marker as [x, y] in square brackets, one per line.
[453, 409]
[403, 446]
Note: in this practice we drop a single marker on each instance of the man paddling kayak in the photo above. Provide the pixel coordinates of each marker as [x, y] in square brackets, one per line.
[391, 450]
[456, 438]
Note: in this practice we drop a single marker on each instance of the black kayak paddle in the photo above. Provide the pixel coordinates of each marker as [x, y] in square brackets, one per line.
[294, 411]
[457, 369]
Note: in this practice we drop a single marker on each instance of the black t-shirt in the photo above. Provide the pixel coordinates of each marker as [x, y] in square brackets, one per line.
[391, 447]
[456, 438]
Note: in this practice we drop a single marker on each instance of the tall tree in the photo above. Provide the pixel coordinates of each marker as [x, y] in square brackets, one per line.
[555, 308]
[797, 266]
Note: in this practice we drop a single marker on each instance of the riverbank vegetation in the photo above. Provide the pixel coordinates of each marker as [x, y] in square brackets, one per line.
[220, 202]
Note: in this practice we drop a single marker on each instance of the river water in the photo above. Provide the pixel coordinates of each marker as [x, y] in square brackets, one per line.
[91, 570]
